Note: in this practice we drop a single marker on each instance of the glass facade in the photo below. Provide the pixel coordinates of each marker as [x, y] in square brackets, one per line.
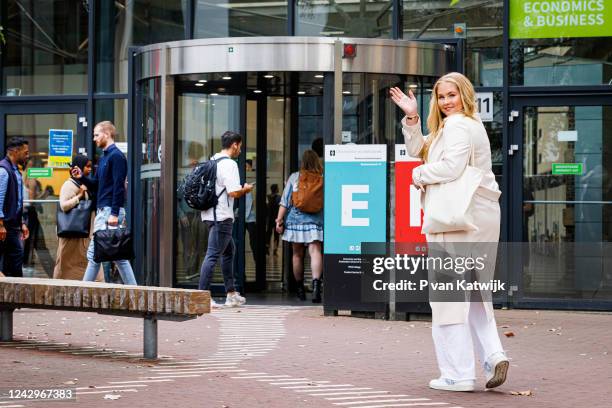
[364, 19]
[121, 24]
[46, 47]
[479, 22]
[561, 61]
[239, 18]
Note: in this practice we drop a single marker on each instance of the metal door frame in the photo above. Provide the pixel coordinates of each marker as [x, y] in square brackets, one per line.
[79, 108]
[514, 165]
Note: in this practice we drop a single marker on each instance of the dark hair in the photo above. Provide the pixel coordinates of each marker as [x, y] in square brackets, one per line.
[274, 188]
[249, 162]
[317, 146]
[229, 138]
[16, 143]
[80, 161]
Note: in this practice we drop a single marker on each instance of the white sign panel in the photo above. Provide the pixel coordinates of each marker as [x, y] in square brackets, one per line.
[484, 104]
[355, 153]
[567, 136]
[346, 136]
[401, 154]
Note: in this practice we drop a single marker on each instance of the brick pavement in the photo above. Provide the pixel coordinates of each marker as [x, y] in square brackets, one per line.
[562, 357]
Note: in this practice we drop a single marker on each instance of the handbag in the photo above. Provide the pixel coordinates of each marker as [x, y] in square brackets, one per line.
[113, 244]
[447, 205]
[75, 223]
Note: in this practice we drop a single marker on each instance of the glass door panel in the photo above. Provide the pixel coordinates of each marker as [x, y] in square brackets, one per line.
[41, 194]
[201, 120]
[567, 201]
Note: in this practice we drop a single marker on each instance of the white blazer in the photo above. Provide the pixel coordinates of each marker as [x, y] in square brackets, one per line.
[448, 156]
[450, 152]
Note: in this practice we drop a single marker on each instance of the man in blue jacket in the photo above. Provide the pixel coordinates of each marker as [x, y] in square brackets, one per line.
[109, 186]
[12, 228]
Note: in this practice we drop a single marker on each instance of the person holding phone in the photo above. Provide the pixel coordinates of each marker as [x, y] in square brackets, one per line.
[109, 187]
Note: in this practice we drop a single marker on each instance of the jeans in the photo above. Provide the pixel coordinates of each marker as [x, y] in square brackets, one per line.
[220, 244]
[11, 251]
[125, 269]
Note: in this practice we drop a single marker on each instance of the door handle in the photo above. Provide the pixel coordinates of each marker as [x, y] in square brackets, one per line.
[513, 114]
[513, 148]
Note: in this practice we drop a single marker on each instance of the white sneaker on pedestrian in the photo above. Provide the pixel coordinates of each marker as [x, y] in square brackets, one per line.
[234, 299]
[496, 369]
[214, 305]
[446, 384]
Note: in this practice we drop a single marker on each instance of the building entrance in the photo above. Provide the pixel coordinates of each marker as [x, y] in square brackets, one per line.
[282, 96]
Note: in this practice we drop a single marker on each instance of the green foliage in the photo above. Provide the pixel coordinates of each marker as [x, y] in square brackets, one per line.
[453, 2]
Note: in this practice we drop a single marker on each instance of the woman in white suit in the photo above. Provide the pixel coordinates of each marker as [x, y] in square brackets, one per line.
[455, 129]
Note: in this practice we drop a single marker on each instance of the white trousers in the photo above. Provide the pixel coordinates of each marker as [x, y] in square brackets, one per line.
[454, 344]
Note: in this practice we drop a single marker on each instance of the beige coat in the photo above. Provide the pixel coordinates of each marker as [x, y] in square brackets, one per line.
[71, 260]
[448, 156]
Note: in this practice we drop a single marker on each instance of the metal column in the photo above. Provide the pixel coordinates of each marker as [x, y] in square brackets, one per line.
[6, 325]
[150, 337]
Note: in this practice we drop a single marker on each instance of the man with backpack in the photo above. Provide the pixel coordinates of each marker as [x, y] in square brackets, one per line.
[220, 217]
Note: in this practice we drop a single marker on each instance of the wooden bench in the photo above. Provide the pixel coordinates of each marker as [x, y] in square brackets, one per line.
[147, 302]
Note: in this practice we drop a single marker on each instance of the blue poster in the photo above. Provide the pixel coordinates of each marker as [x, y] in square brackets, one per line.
[355, 206]
[60, 147]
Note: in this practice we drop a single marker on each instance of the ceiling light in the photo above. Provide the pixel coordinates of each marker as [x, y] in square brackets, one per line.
[257, 91]
[227, 78]
[319, 76]
[202, 101]
[280, 100]
[214, 94]
[199, 84]
[413, 86]
[346, 92]
[301, 92]
[202, 81]
[269, 76]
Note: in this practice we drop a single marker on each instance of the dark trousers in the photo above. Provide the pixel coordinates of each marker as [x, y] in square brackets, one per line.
[11, 252]
[220, 245]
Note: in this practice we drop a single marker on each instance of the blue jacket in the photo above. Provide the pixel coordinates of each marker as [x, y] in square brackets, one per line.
[109, 181]
[13, 201]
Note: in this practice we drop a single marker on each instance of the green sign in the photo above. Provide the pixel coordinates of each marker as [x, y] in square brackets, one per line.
[560, 18]
[574, 169]
[40, 172]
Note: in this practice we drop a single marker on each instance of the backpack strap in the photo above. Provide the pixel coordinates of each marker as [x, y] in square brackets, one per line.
[217, 160]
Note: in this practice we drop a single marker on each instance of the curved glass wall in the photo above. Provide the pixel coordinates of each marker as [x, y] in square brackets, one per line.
[280, 115]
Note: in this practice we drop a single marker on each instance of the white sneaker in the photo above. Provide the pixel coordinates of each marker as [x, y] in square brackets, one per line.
[496, 369]
[234, 299]
[446, 384]
[214, 305]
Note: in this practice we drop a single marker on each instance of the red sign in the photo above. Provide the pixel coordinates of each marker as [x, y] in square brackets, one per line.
[408, 211]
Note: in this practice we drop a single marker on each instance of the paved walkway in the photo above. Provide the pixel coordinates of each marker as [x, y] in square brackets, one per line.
[262, 356]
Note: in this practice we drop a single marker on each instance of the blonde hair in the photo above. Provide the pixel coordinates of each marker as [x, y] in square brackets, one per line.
[435, 120]
[107, 127]
[311, 162]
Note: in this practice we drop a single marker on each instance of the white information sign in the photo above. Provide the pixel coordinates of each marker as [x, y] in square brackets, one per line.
[484, 104]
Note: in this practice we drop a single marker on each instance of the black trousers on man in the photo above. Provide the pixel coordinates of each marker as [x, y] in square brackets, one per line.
[11, 252]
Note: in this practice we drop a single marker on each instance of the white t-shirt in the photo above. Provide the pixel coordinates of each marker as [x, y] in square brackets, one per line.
[228, 178]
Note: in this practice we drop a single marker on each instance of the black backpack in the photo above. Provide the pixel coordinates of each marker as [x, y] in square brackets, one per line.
[198, 188]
